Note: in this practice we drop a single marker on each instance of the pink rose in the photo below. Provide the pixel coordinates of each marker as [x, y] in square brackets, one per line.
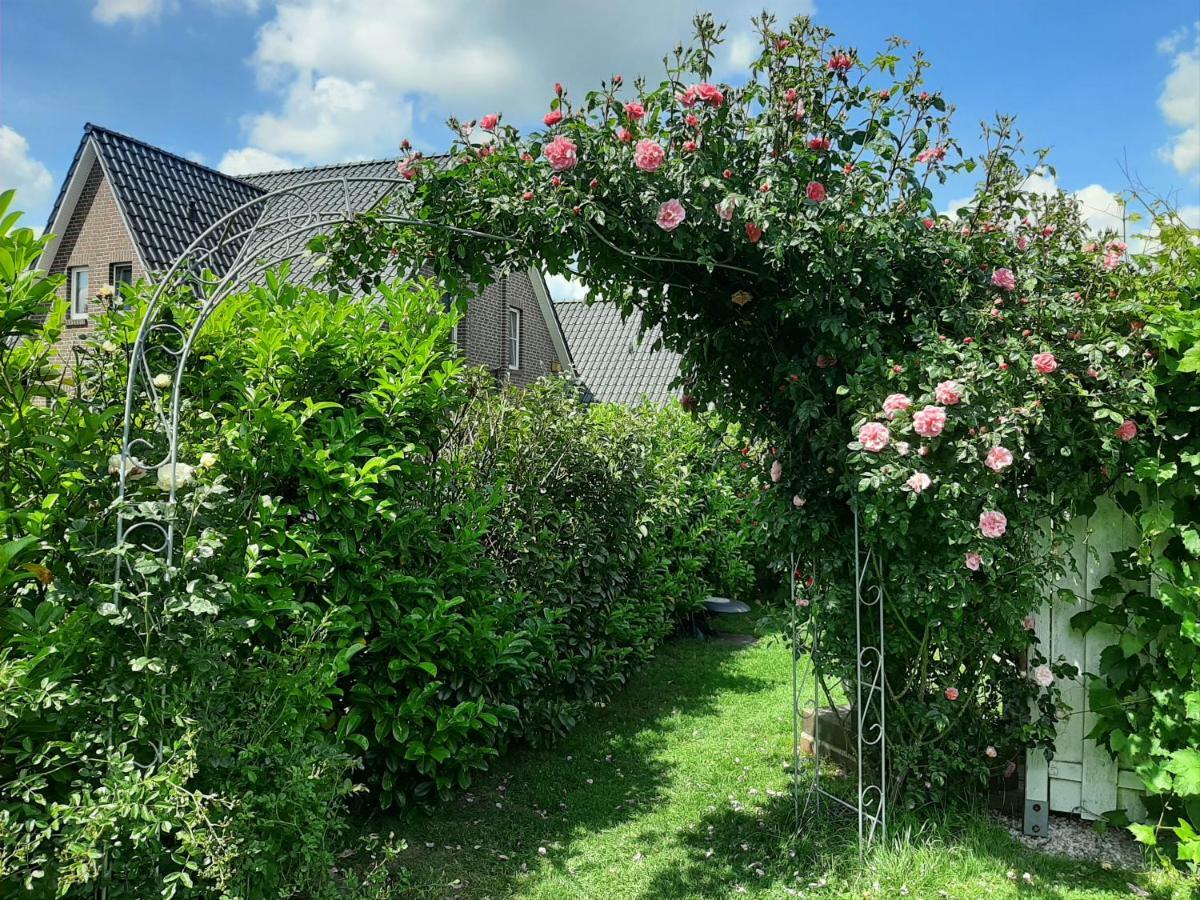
[634, 111]
[930, 421]
[489, 122]
[931, 154]
[990, 752]
[726, 207]
[1043, 676]
[1004, 279]
[874, 436]
[776, 471]
[1127, 430]
[708, 93]
[624, 135]
[998, 459]
[648, 155]
[798, 501]
[951, 694]
[902, 447]
[947, 393]
[552, 118]
[840, 62]
[1029, 623]
[1045, 362]
[816, 192]
[753, 232]
[918, 482]
[670, 215]
[993, 523]
[973, 561]
[895, 403]
[561, 153]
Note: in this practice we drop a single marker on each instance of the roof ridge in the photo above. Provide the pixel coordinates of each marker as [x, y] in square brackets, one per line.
[341, 165]
[338, 165]
[91, 127]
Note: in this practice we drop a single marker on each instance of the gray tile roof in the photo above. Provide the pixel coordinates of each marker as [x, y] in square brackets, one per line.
[613, 363]
[168, 200]
[277, 241]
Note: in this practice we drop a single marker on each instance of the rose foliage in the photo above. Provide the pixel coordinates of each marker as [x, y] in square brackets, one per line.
[960, 377]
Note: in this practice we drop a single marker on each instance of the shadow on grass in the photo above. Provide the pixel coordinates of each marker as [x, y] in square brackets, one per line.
[524, 815]
[954, 856]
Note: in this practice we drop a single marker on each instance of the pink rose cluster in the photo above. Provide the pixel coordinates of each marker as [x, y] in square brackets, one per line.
[894, 404]
[670, 215]
[561, 152]
[929, 421]
[948, 393]
[874, 436]
[708, 94]
[1045, 363]
[998, 459]
[1004, 279]
[918, 482]
[648, 155]
[992, 523]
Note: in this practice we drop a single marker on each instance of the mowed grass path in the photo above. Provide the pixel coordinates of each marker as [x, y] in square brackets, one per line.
[679, 789]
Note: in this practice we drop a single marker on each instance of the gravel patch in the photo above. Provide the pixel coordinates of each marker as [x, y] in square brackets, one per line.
[1076, 839]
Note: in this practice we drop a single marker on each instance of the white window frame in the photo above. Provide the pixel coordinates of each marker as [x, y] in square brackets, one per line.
[454, 335]
[79, 304]
[514, 338]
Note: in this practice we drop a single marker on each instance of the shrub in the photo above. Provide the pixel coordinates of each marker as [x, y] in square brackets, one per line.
[402, 566]
[1146, 694]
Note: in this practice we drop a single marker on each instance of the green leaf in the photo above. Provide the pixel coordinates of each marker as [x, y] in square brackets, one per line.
[1185, 766]
[1145, 834]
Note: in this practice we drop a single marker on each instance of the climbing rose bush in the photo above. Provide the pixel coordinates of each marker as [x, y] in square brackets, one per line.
[955, 379]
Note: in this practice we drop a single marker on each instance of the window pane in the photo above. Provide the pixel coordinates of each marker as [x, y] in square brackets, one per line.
[514, 338]
[122, 273]
[79, 292]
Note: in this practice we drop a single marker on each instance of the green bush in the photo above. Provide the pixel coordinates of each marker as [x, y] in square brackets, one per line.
[386, 570]
[1146, 695]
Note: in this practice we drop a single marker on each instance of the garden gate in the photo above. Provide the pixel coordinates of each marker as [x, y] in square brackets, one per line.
[1082, 778]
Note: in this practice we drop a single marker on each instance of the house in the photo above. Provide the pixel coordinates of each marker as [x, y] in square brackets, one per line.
[127, 210]
[615, 362]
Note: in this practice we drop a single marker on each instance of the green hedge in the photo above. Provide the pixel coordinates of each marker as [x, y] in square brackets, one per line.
[390, 569]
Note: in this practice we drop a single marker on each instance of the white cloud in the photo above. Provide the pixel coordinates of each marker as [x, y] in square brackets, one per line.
[1180, 101]
[1100, 209]
[112, 11]
[250, 160]
[32, 180]
[566, 288]
[329, 119]
[396, 63]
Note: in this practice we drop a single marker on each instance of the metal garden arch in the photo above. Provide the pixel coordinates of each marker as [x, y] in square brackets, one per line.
[274, 228]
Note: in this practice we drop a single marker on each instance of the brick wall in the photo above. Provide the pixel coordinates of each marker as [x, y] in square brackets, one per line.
[95, 237]
[483, 332]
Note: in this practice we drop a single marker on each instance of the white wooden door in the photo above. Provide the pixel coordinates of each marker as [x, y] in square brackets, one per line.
[1082, 778]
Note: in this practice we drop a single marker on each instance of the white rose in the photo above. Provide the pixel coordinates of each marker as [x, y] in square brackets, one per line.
[106, 291]
[208, 460]
[108, 347]
[162, 381]
[183, 476]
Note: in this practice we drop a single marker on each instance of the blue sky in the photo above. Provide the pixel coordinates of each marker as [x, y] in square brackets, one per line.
[252, 84]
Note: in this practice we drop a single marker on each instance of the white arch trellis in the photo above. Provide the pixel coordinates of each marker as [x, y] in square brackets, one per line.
[275, 228]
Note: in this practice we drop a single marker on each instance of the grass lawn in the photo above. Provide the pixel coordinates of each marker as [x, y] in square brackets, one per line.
[678, 789]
